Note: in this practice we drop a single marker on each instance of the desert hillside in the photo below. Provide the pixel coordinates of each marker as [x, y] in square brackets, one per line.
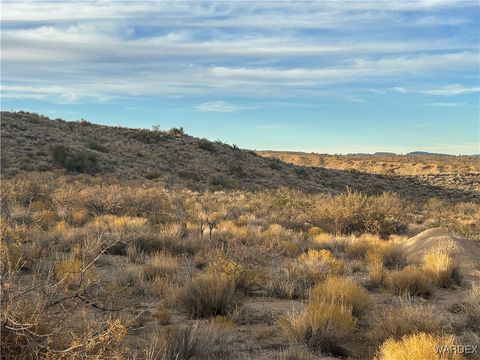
[447, 171]
[122, 243]
[35, 143]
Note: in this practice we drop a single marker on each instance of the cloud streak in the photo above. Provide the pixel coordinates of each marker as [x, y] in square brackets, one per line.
[103, 50]
[220, 106]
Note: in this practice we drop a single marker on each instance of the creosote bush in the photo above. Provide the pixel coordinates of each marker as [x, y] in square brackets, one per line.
[354, 212]
[74, 160]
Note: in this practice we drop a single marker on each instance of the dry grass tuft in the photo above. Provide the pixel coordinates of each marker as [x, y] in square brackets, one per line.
[376, 270]
[325, 257]
[440, 267]
[325, 327]
[296, 352]
[420, 346]
[72, 272]
[409, 281]
[471, 308]
[208, 295]
[188, 341]
[160, 264]
[292, 249]
[405, 317]
[338, 290]
[163, 316]
[242, 277]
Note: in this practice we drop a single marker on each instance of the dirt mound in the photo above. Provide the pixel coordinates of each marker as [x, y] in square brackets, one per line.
[465, 252]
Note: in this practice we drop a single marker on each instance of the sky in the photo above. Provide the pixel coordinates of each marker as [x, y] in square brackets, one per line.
[316, 76]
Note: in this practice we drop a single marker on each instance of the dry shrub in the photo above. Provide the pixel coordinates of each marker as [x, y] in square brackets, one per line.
[405, 317]
[342, 291]
[73, 272]
[312, 257]
[151, 203]
[163, 316]
[293, 281]
[24, 327]
[376, 270]
[22, 190]
[420, 346]
[354, 212]
[329, 242]
[208, 295]
[315, 230]
[189, 341]
[296, 279]
[471, 308]
[440, 267]
[223, 322]
[409, 281]
[243, 278]
[292, 249]
[326, 327]
[160, 264]
[296, 352]
[392, 253]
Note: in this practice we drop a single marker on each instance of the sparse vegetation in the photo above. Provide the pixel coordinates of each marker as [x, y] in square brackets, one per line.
[223, 252]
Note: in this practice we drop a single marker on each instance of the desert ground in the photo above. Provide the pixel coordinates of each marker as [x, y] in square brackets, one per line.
[124, 243]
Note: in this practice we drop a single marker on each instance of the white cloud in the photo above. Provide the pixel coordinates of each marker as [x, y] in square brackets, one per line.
[72, 51]
[446, 104]
[401, 90]
[219, 106]
[453, 90]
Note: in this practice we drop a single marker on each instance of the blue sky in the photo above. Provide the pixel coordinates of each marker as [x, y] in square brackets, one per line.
[329, 76]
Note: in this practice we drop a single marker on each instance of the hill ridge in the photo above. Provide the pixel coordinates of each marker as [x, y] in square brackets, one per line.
[32, 142]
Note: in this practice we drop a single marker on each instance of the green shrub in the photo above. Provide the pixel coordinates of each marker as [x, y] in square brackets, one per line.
[74, 160]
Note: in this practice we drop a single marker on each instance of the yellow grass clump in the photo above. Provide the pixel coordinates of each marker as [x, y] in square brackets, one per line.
[113, 221]
[440, 266]
[343, 291]
[409, 281]
[315, 230]
[70, 272]
[292, 249]
[376, 269]
[242, 277]
[326, 327]
[405, 317]
[208, 295]
[160, 264]
[323, 256]
[420, 346]
[163, 316]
